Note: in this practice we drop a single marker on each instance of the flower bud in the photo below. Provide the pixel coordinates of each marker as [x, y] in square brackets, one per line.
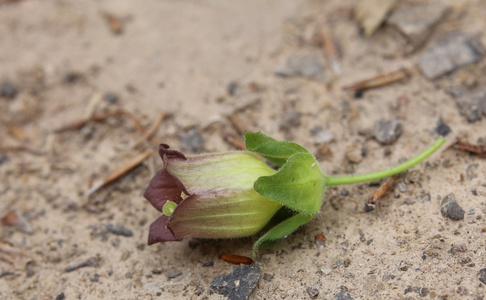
[208, 196]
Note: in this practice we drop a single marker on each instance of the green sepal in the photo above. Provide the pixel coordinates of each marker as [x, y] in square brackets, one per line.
[275, 151]
[298, 185]
[282, 230]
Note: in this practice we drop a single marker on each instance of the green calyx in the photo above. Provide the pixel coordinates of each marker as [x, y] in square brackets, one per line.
[299, 184]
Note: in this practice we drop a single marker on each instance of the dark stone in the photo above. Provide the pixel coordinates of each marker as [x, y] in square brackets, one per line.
[343, 294]
[119, 230]
[474, 115]
[8, 90]
[421, 291]
[451, 209]
[239, 283]
[482, 276]
[387, 131]
[95, 278]
[368, 208]
[232, 88]
[192, 140]
[208, 264]
[111, 98]
[302, 65]
[267, 277]
[359, 94]
[313, 292]
[60, 296]
[442, 128]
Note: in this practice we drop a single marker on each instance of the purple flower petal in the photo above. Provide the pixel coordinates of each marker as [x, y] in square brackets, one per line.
[159, 232]
[165, 186]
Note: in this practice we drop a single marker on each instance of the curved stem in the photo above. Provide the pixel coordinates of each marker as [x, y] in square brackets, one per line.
[339, 180]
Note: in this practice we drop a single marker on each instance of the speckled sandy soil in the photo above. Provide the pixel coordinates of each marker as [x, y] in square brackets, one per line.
[209, 67]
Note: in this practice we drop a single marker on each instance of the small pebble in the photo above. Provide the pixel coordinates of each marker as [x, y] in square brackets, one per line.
[450, 53]
[60, 296]
[8, 90]
[353, 153]
[302, 65]
[173, 273]
[110, 98]
[416, 21]
[192, 140]
[343, 294]
[232, 88]
[313, 292]
[387, 131]
[208, 264]
[451, 209]
[119, 230]
[442, 128]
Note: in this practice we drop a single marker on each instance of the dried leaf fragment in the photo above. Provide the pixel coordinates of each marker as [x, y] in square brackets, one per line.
[371, 13]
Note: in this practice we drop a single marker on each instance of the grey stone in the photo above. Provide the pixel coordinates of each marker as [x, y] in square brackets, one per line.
[8, 90]
[387, 131]
[442, 128]
[239, 283]
[416, 21]
[482, 276]
[119, 230]
[343, 294]
[192, 140]
[451, 209]
[313, 292]
[302, 65]
[450, 53]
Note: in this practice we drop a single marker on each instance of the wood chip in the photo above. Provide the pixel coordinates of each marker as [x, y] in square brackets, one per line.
[378, 80]
[479, 150]
[120, 172]
[116, 25]
[380, 192]
[235, 141]
[236, 259]
[331, 51]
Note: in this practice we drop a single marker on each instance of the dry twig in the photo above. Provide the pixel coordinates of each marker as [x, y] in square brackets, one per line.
[77, 124]
[151, 131]
[235, 141]
[331, 51]
[380, 192]
[120, 172]
[479, 150]
[378, 80]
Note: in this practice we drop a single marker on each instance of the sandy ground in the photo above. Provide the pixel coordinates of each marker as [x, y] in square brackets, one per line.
[209, 67]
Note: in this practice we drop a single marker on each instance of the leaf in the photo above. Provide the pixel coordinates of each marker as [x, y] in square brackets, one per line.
[275, 151]
[298, 185]
[282, 230]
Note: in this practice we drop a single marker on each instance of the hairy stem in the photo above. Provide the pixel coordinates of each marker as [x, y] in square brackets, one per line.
[339, 180]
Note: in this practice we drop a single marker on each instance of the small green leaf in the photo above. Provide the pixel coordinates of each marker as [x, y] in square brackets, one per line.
[275, 151]
[298, 185]
[282, 230]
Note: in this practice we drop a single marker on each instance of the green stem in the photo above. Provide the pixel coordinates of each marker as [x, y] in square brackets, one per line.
[339, 180]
